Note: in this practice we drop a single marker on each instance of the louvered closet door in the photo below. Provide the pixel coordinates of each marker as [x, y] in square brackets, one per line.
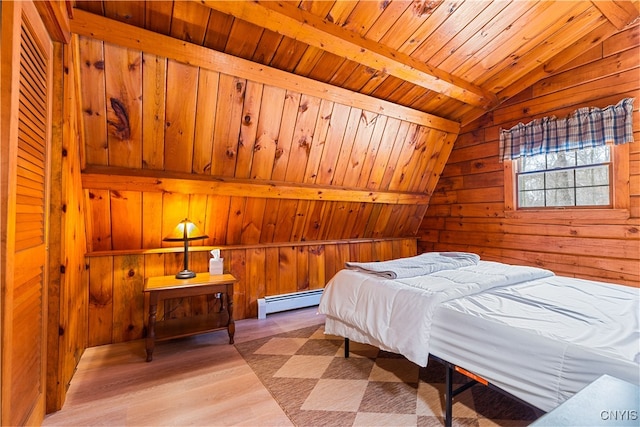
[25, 216]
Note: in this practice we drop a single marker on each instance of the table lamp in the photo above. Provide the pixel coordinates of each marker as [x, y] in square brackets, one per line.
[184, 232]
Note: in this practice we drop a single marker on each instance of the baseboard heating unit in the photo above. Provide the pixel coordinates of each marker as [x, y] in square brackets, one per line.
[277, 303]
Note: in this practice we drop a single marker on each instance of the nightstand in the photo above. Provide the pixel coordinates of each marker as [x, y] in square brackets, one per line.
[166, 287]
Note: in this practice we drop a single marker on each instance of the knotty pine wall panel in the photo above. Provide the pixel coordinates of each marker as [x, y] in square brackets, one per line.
[117, 310]
[143, 112]
[67, 290]
[468, 210]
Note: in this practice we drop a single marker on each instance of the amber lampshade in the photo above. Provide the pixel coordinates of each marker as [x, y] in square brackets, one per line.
[185, 231]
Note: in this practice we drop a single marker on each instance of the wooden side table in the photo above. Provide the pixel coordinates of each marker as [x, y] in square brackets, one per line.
[166, 287]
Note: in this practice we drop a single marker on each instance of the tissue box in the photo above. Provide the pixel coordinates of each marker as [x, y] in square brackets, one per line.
[215, 266]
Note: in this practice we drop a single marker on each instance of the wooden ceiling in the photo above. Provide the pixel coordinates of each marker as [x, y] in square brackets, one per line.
[453, 59]
[271, 122]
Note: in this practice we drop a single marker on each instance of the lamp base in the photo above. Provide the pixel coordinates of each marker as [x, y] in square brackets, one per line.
[185, 274]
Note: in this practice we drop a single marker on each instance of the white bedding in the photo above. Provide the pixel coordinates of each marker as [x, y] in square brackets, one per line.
[396, 314]
[419, 265]
[538, 336]
[544, 340]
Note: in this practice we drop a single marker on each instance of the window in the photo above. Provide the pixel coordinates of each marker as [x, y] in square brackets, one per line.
[573, 178]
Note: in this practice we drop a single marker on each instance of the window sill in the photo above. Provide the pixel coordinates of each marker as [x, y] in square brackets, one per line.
[568, 213]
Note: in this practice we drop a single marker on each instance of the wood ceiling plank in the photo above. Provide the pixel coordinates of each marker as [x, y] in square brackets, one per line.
[534, 28]
[509, 79]
[309, 59]
[271, 112]
[310, 29]
[332, 144]
[101, 28]
[288, 55]
[158, 16]
[189, 21]
[346, 147]
[206, 109]
[385, 148]
[320, 132]
[384, 23]
[365, 77]
[131, 12]
[500, 26]
[303, 138]
[446, 21]
[243, 39]
[94, 109]
[227, 128]
[123, 72]
[121, 179]
[218, 30]
[360, 150]
[92, 6]
[285, 135]
[398, 146]
[375, 147]
[619, 13]
[182, 90]
[464, 23]
[327, 66]
[267, 47]
[247, 138]
[403, 27]
[346, 74]
[340, 11]
[154, 82]
[363, 16]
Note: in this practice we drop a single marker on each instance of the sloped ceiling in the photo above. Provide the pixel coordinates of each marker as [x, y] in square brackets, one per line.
[454, 59]
[282, 121]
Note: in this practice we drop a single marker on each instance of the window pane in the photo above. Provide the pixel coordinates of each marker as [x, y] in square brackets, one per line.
[531, 199]
[592, 196]
[533, 163]
[598, 175]
[593, 155]
[561, 197]
[562, 159]
[560, 179]
[572, 178]
[534, 181]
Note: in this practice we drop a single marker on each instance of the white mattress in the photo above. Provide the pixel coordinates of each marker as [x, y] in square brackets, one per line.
[543, 340]
[396, 314]
[540, 339]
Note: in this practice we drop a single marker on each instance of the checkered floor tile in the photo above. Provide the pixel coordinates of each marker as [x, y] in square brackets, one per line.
[308, 375]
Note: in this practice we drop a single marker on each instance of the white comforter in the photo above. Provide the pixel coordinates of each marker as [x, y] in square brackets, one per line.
[419, 265]
[396, 314]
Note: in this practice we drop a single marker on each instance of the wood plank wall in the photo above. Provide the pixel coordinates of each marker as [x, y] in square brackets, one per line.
[289, 176]
[331, 171]
[470, 210]
[116, 302]
[67, 289]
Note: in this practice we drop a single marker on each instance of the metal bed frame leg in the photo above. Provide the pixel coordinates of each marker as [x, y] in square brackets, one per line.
[346, 348]
[448, 417]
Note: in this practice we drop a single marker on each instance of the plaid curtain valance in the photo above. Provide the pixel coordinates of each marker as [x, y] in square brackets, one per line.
[586, 127]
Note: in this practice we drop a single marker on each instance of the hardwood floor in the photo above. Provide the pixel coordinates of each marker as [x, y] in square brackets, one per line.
[201, 380]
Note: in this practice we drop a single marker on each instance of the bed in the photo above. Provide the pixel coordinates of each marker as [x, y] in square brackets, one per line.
[523, 330]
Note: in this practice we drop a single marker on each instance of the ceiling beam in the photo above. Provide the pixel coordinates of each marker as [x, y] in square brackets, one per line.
[288, 20]
[125, 35]
[146, 180]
